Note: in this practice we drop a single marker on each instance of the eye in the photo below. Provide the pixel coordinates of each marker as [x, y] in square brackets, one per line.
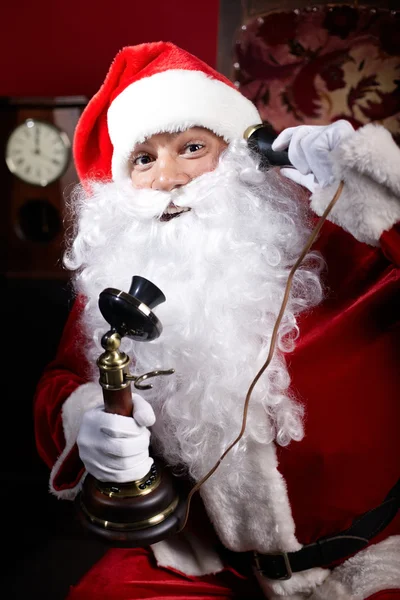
[193, 147]
[142, 160]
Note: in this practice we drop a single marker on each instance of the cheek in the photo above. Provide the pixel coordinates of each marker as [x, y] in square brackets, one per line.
[140, 181]
[204, 164]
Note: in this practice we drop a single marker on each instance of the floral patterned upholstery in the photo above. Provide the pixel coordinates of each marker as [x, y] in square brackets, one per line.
[320, 64]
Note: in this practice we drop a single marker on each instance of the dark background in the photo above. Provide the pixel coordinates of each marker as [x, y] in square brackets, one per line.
[55, 48]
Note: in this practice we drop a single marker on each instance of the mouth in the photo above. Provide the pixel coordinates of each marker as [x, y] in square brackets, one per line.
[173, 211]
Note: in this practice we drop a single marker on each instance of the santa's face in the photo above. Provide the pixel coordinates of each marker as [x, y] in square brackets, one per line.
[166, 161]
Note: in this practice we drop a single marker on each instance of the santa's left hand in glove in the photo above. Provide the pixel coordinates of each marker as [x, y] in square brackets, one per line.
[309, 147]
[113, 447]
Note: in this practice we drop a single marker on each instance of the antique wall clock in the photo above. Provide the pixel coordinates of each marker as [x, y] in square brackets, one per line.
[36, 175]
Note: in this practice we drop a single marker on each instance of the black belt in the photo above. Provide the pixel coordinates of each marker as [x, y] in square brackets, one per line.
[327, 550]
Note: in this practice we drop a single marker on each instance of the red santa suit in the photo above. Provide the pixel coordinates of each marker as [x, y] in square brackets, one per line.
[344, 369]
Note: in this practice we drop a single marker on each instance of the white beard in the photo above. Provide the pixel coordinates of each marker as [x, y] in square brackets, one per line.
[223, 268]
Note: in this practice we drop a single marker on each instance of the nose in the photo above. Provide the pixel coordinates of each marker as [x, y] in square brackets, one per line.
[169, 175]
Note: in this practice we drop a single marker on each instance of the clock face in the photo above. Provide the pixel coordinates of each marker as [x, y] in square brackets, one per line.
[38, 152]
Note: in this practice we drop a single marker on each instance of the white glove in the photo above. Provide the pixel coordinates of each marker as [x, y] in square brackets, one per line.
[309, 149]
[115, 448]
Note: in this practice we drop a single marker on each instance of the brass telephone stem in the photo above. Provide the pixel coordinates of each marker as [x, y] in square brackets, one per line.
[113, 366]
[115, 378]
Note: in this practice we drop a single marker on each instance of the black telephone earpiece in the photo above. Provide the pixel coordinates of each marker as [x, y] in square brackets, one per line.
[260, 139]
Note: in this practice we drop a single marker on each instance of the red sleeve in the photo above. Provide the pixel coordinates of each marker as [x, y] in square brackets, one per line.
[390, 244]
[61, 377]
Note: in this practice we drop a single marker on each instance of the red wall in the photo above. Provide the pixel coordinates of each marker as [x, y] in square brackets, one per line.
[64, 47]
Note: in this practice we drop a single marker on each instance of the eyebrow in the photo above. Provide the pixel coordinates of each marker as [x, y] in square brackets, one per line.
[174, 135]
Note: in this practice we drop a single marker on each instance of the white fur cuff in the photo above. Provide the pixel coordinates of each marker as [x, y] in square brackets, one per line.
[82, 399]
[372, 151]
[368, 163]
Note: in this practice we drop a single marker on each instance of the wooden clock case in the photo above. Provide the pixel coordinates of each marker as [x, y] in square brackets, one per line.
[27, 252]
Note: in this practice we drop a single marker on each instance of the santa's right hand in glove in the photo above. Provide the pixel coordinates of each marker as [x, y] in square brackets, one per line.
[114, 448]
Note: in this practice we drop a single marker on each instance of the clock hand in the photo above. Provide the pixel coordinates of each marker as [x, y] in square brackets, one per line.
[37, 144]
[49, 159]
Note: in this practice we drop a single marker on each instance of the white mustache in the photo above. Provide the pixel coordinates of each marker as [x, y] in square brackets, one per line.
[149, 204]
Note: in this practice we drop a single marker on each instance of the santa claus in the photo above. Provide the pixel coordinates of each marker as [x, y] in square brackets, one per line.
[305, 504]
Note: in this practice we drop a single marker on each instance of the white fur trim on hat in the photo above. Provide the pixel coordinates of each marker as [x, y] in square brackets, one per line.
[171, 101]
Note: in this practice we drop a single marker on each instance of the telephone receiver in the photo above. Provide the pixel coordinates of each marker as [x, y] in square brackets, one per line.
[260, 139]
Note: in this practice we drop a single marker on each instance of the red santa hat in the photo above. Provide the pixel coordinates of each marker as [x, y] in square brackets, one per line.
[153, 88]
